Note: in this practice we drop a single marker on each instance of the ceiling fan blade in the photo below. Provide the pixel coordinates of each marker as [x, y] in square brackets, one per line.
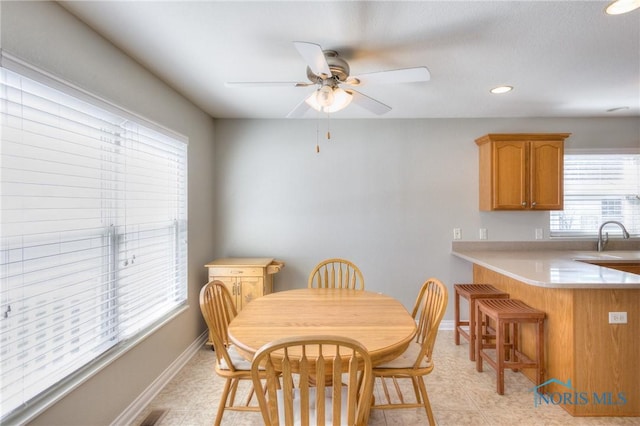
[301, 108]
[405, 75]
[266, 84]
[371, 104]
[314, 57]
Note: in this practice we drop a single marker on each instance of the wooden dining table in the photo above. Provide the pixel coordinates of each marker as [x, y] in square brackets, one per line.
[379, 322]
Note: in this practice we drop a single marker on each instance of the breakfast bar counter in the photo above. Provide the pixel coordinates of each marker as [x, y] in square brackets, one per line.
[560, 268]
[592, 363]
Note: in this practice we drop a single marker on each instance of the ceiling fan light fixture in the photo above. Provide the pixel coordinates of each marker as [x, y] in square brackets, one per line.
[340, 99]
[619, 7]
[324, 96]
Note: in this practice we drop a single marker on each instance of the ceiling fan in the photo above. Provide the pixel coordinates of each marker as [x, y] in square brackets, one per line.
[328, 72]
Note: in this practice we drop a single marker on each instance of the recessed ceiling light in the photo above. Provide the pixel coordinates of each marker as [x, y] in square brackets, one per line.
[501, 89]
[619, 7]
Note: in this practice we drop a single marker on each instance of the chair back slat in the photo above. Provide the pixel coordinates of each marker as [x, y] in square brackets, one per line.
[271, 389]
[304, 390]
[314, 371]
[336, 273]
[287, 387]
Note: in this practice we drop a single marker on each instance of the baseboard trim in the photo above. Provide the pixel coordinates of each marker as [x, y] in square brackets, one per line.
[128, 416]
[446, 325]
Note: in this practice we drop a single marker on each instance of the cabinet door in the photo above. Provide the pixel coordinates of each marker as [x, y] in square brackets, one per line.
[232, 286]
[248, 289]
[509, 176]
[546, 175]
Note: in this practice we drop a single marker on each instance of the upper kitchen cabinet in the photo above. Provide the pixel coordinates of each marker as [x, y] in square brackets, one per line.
[520, 171]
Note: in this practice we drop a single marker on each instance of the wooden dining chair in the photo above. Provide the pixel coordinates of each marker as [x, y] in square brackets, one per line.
[417, 360]
[218, 310]
[336, 273]
[301, 377]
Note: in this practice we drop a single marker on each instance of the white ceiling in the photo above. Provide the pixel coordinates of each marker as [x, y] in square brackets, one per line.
[564, 58]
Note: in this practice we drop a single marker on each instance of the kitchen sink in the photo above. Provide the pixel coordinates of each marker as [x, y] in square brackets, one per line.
[599, 257]
[614, 262]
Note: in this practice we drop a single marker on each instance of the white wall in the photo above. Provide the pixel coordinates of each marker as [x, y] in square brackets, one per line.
[45, 35]
[385, 194]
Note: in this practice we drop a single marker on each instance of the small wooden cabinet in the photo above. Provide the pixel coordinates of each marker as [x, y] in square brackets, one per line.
[520, 171]
[246, 278]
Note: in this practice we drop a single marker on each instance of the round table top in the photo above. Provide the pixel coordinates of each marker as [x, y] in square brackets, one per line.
[379, 322]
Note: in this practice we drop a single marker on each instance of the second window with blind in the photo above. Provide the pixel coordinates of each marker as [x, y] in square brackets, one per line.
[598, 187]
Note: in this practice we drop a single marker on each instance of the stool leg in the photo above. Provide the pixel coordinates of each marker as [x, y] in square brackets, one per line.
[540, 352]
[479, 340]
[500, 352]
[472, 329]
[514, 344]
[456, 318]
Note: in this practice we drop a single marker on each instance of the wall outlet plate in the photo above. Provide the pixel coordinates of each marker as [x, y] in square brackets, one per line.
[617, 317]
[457, 234]
[539, 234]
[483, 233]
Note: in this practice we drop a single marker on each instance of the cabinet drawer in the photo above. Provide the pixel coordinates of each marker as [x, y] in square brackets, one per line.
[235, 272]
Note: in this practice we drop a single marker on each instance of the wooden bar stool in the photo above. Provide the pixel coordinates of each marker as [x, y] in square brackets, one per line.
[472, 292]
[507, 315]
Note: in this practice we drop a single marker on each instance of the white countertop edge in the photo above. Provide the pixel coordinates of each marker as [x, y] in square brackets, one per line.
[630, 281]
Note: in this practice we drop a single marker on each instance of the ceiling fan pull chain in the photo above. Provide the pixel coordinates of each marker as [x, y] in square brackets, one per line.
[317, 133]
[328, 126]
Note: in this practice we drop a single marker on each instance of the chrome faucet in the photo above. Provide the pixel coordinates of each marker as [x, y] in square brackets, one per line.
[602, 242]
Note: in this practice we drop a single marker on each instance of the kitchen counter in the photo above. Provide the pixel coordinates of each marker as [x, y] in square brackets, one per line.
[581, 345]
[558, 268]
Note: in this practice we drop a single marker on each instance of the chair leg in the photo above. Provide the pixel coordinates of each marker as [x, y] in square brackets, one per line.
[234, 390]
[425, 400]
[223, 401]
[385, 389]
[249, 397]
[416, 387]
[398, 391]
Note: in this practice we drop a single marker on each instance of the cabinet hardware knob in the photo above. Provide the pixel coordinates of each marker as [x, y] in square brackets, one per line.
[533, 204]
[524, 204]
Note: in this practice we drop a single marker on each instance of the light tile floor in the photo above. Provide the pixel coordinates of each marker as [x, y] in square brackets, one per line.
[459, 396]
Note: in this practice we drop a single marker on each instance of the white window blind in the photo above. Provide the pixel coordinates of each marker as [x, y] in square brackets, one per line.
[599, 187]
[92, 230]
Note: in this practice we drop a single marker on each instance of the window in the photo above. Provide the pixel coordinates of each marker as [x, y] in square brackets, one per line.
[92, 233]
[599, 187]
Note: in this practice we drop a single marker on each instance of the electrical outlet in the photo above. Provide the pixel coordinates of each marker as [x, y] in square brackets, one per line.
[483, 233]
[457, 234]
[617, 317]
[539, 233]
